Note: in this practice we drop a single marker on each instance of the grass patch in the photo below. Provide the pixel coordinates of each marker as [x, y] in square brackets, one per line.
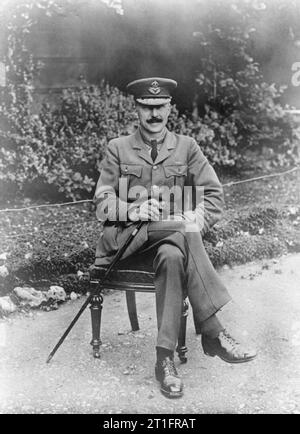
[261, 220]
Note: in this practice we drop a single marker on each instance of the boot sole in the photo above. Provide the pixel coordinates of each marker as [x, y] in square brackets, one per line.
[248, 359]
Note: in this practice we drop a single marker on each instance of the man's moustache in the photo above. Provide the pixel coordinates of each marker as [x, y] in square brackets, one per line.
[154, 120]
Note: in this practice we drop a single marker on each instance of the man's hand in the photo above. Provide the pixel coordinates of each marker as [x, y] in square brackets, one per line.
[147, 211]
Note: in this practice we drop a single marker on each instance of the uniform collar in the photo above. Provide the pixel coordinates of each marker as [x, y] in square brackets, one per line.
[149, 142]
[168, 145]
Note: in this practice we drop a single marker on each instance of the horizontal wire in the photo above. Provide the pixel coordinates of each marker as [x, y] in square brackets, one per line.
[64, 223]
[229, 184]
[46, 205]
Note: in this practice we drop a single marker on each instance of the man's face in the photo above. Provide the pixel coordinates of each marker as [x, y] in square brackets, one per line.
[153, 118]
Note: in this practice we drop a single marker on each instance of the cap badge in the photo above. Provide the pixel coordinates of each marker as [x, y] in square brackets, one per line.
[154, 89]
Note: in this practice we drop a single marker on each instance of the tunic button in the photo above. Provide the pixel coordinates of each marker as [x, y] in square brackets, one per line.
[154, 167]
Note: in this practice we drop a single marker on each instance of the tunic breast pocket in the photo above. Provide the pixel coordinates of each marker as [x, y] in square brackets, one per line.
[133, 173]
[175, 175]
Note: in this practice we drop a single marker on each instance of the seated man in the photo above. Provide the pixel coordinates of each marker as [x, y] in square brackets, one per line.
[164, 179]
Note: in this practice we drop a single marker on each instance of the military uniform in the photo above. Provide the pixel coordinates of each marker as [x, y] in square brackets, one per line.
[177, 254]
[179, 162]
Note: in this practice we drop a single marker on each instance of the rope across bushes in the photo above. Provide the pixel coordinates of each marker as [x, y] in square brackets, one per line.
[229, 184]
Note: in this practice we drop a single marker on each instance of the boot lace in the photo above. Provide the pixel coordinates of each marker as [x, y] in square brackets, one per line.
[236, 347]
[169, 367]
[230, 339]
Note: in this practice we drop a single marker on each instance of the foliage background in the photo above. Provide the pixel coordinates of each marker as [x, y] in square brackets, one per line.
[233, 113]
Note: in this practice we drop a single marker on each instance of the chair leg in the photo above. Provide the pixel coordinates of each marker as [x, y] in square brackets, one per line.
[131, 307]
[96, 310]
[181, 347]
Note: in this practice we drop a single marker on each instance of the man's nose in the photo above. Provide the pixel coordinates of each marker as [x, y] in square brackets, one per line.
[154, 112]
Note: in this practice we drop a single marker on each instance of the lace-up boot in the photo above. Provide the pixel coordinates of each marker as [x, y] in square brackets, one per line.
[227, 348]
[170, 382]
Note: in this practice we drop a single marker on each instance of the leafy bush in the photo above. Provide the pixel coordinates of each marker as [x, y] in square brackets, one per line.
[274, 140]
[239, 110]
[63, 146]
[236, 112]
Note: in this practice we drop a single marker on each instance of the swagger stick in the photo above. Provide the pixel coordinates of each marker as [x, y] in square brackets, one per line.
[85, 304]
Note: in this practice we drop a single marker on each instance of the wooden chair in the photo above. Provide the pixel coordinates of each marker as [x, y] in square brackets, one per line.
[131, 280]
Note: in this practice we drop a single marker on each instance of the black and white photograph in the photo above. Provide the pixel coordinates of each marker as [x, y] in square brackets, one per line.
[149, 209]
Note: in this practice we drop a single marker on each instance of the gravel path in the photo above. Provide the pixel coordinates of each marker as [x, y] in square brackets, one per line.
[266, 311]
